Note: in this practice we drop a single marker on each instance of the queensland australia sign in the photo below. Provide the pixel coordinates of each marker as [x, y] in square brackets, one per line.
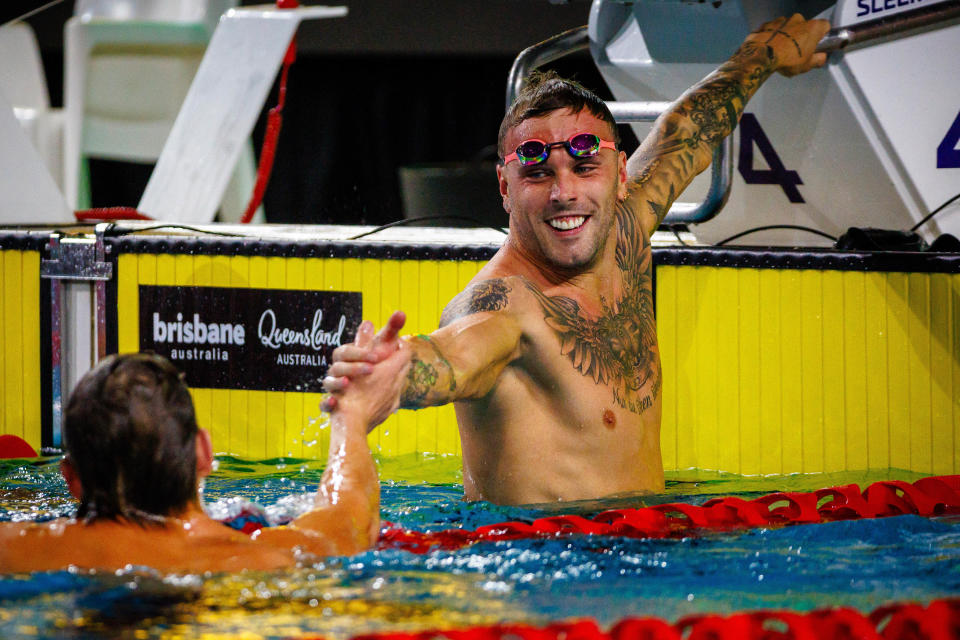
[265, 339]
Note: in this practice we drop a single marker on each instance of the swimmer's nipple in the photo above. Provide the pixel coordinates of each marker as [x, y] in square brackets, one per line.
[609, 419]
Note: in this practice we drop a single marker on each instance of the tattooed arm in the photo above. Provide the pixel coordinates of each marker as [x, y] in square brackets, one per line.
[683, 139]
[478, 337]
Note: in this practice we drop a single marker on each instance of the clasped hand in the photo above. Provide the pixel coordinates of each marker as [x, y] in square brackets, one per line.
[367, 375]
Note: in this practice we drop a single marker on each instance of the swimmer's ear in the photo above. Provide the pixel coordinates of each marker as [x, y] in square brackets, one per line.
[502, 180]
[69, 474]
[204, 454]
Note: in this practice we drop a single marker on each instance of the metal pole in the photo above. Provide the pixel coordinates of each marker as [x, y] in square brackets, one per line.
[543, 53]
[899, 25]
[56, 348]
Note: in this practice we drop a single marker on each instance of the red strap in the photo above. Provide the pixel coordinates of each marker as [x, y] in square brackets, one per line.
[274, 123]
[110, 213]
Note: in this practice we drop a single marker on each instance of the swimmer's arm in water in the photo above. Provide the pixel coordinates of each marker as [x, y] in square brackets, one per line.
[345, 518]
[683, 139]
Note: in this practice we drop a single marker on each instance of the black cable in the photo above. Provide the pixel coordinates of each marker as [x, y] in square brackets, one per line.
[934, 212]
[111, 232]
[679, 239]
[775, 226]
[422, 218]
[30, 13]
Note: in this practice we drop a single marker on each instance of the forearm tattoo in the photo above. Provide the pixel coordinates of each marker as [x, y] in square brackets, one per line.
[684, 137]
[424, 380]
[715, 105]
[486, 295]
[421, 378]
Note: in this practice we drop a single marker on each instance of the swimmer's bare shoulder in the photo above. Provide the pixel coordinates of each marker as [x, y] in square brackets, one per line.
[481, 295]
[209, 546]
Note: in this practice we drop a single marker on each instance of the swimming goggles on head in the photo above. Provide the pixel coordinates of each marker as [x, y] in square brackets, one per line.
[579, 145]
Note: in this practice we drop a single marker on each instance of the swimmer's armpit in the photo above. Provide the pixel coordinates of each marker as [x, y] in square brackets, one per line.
[486, 295]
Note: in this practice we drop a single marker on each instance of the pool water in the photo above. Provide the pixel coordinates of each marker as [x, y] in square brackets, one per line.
[861, 564]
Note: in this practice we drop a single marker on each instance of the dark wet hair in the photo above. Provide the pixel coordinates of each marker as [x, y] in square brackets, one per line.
[129, 430]
[543, 92]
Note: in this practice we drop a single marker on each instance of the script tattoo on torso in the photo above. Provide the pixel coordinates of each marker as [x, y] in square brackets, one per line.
[619, 347]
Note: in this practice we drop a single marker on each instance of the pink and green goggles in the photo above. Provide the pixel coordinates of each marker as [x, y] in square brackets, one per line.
[579, 145]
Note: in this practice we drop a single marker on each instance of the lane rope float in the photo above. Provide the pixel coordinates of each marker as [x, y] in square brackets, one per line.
[932, 496]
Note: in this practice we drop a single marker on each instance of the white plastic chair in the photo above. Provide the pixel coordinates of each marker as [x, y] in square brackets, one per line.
[129, 64]
[23, 83]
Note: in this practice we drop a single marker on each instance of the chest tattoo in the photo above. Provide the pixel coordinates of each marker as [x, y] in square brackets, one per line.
[619, 347]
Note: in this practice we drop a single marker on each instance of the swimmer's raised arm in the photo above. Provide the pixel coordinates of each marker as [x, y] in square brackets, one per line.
[345, 518]
[346, 515]
[683, 139]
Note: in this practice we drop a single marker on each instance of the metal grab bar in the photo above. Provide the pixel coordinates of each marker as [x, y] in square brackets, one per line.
[543, 53]
[901, 24]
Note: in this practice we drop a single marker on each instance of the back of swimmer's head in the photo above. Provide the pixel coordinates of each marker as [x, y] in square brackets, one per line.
[129, 432]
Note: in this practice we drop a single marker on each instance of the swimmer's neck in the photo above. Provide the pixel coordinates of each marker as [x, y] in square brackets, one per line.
[186, 517]
[595, 279]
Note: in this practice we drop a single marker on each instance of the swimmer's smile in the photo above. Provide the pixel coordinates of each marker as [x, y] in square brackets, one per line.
[568, 224]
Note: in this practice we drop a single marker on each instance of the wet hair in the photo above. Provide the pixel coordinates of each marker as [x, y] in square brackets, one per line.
[130, 429]
[544, 92]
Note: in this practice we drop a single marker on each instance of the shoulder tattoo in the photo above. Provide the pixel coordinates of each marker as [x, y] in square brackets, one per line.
[486, 295]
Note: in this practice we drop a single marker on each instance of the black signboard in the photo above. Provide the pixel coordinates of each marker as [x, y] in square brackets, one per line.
[262, 339]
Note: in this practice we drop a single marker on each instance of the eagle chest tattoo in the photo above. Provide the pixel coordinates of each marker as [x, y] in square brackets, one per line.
[618, 348]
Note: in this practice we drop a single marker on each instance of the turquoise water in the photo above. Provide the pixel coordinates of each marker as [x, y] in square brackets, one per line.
[860, 563]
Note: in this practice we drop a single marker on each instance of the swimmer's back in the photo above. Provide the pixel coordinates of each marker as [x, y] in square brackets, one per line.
[204, 545]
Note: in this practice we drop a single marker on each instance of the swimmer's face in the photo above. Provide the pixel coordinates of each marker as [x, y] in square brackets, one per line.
[562, 210]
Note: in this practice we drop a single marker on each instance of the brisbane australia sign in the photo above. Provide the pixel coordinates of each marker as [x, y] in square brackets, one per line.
[253, 339]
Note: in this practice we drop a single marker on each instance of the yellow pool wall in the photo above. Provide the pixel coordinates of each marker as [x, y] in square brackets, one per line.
[766, 371]
[20, 366]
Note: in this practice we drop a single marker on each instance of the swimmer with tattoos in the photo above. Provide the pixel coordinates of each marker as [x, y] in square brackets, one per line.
[550, 353]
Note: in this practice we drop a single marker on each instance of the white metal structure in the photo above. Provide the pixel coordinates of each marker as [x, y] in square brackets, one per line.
[872, 141]
[23, 82]
[220, 109]
[128, 66]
